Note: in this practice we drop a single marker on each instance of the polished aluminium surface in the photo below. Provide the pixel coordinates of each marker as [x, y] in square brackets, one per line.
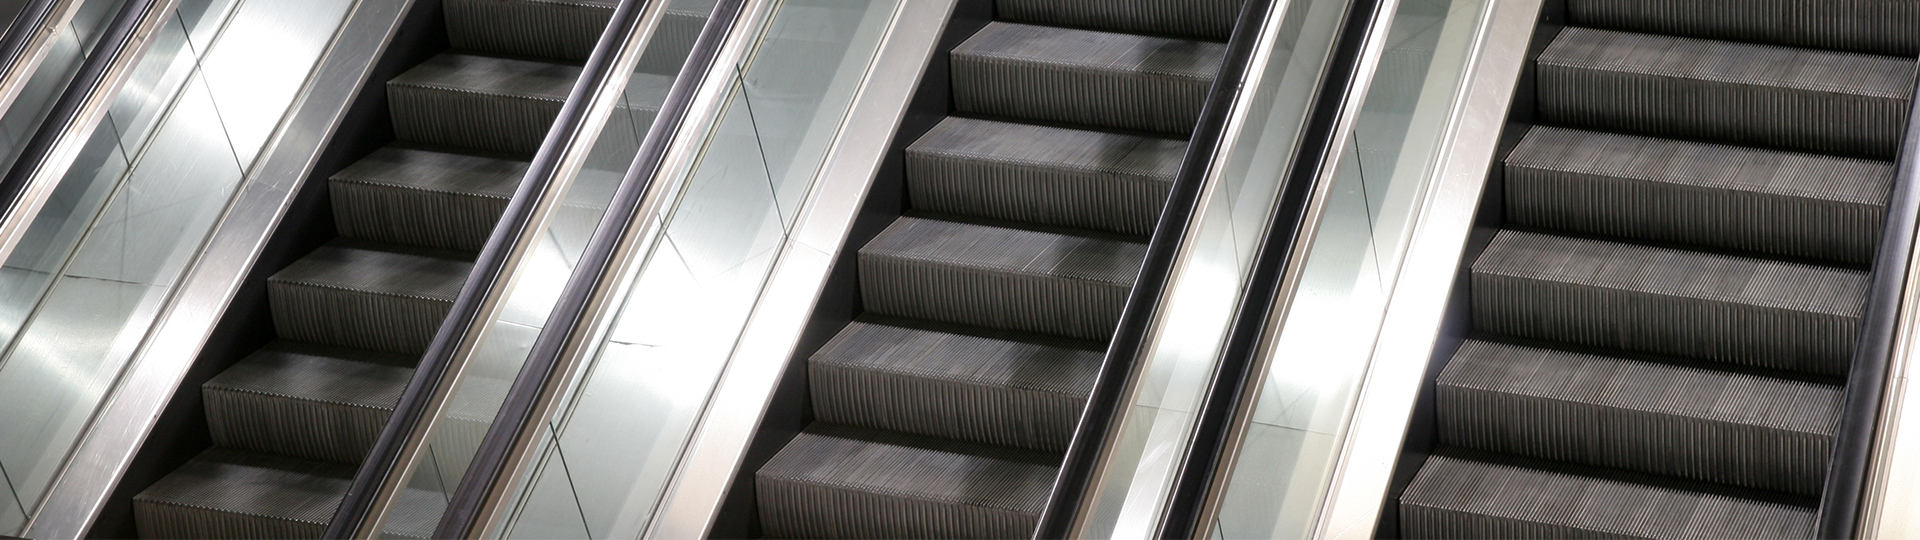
[714, 453]
[1371, 440]
[48, 19]
[1891, 491]
[576, 142]
[190, 315]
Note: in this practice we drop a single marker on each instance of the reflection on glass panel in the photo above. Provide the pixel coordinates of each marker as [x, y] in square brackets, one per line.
[128, 216]
[503, 349]
[71, 45]
[607, 453]
[1329, 331]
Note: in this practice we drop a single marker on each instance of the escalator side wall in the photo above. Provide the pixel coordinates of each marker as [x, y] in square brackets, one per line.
[247, 324]
[1458, 321]
[790, 409]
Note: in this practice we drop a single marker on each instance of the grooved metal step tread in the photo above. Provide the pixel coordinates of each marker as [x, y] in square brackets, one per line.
[423, 197]
[843, 482]
[1046, 175]
[305, 400]
[480, 102]
[1726, 197]
[1201, 19]
[225, 493]
[1707, 425]
[560, 30]
[988, 389]
[1084, 77]
[1458, 498]
[1868, 26]
[997, 277]
[1738, 93]
[1693, 305]
[367, 295]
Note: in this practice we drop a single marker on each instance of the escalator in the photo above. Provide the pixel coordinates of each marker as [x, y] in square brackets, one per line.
[1663, 327]
[291, 422]
[943, 408]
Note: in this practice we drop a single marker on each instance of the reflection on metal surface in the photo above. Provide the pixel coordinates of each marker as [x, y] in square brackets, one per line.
[204, 290]
[114, 226]
[1334, 397]
[50, 57]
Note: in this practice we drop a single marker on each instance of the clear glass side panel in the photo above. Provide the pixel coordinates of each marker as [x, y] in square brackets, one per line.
[125, 220]
[605, 457]
[1329, 331]
[1184, 348]
[71, 44]
[482, 386]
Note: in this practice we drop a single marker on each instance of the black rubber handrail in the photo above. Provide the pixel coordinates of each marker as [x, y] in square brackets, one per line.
[1212, 426]
[1873, 348]
[20, 33]
[1077, 469]
[488, 269]
[93, 74]
[489, 463]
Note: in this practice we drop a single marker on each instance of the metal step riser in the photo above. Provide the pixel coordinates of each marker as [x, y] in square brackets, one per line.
[806, 510]
[1423, 522]
[1035, 194]
[414, 217]
[549, 30]
[1585, 433]
[158, 520]
[1675, 326]
[1663, 212]
[1202, 19]
[293, 427]
[355, 319]
[1867, 26]
[470, 120]
[939, 408]
[918, 289]
[985, 86]
[1748, 115]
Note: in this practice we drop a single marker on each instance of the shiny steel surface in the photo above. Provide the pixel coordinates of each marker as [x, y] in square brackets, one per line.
[15, 76]
[1892, 501]
[712, 457]
[203, 292]
[1371, 441]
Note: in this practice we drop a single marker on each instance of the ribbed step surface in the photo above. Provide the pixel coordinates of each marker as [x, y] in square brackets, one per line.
[1736, 310]
[1868, 26]
[1459, 498]
[226, 493]
[839, 482]
[364, 295]
[566, 29]
[1737, 93]
[1200, 19]
[479, 102]
[1700, 424]
[997, 277]
[1083, 77]
[423, 198]
[306, 401]
[988, 389]
[1044, 175]
[1726, 197]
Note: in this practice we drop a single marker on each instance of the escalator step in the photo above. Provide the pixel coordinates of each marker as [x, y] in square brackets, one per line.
[423, 198]
[366, 295]
[479, 102]
[224, 493]
[1736, 93]
[1459, 498]
[1199, 19]
[1868, 26]
[1044, 175]
[841, 482]
[1725, 197]
[531, 28]
[306, 401]
[957, 386]
[1083, 77]
[1713, 426]
[1000, 278]
[1693, 305]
